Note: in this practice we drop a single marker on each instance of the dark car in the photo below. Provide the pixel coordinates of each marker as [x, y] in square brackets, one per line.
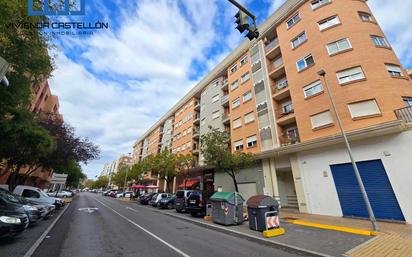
[181, 199]
[13, 218]
[196, 204]
[34, 212]
[152, 199]
[167, 203]
[144, 199]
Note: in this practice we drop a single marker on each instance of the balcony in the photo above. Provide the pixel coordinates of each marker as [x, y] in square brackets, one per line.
[404, 114]
[281, 90]
[196, 119]
[285, 115]
[226, 118]
[195, 149]
[272, 48]
[196, 133]
[276, 68]
[224, 85]
[197, 106]
[285, 140]
[225, 100]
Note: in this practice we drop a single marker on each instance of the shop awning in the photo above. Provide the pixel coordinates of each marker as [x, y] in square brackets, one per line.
[189, 183]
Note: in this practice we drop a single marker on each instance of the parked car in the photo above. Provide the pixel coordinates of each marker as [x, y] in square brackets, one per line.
[119, 194]
[196, 204]
[112, 193]
[144, 199]
[152, 199]
[105, 193]
[61, 194]
[123, 194]
[167, 203]
[35, 212]
[13, 218]
[36, 195]
[181, 199]
[155, 200]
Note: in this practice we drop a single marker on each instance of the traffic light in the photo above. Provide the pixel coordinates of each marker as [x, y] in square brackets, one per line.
[253, 33]
[242, 21]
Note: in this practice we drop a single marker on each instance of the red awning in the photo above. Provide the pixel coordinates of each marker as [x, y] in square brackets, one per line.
[137, 187]
[189, 183]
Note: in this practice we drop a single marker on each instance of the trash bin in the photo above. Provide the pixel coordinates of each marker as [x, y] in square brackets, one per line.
[258, 207]
[227, 208]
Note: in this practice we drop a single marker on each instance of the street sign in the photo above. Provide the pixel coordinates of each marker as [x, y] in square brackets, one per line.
[59, 179]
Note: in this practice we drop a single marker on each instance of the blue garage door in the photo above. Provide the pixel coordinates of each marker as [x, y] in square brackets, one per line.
[377, 185]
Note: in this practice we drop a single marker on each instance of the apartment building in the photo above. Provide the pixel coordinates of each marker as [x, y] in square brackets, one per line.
[275, 105]
[44, 101]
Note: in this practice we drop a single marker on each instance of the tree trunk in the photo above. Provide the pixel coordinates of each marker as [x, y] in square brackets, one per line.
[13, 178]
[233, 176]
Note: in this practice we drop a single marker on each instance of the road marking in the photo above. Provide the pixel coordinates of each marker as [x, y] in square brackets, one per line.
[131, 209]
[145, 230]
[88, 210]
[44, 235]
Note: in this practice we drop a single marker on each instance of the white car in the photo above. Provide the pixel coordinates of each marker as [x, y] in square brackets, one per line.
[61, 194]
[123, 194]
[36, 195]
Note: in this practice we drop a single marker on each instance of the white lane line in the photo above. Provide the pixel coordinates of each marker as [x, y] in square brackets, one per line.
[133, 210]
[43, 236]
[147, 231]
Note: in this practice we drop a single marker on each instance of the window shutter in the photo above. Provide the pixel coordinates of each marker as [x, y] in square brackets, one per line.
[321, 119]
[365, 108]
[237, 123]
[394, 68]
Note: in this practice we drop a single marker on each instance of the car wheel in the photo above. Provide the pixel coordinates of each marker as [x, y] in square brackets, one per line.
[179, 211]
[194, 214]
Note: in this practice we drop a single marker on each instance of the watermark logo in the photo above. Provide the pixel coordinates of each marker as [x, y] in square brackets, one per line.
[56, 7]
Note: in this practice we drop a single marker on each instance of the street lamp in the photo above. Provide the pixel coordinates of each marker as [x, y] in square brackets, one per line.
[322, 73]
[4, 66]
[125, 178]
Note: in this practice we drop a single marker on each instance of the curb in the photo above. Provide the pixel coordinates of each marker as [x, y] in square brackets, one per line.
[43, 236]
[282, 246]
[363, 232]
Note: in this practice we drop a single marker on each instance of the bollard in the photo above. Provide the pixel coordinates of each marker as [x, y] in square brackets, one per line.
[272, 224]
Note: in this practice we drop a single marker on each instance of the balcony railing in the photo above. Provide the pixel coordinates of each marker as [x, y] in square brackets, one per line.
[280, 86]
[225, 99]
[404, 114]
[225, 116]
[274, 43]
[284, 111]
[285, 140]
[277, 63]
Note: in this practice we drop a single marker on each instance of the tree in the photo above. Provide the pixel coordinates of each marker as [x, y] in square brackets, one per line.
[101, 182]
[185, 162]
[74, 173]
[119, 178]
[216, 152]
[136, 172]
[23, 142]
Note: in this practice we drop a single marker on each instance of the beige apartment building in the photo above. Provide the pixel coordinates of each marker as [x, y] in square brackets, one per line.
[274, 104]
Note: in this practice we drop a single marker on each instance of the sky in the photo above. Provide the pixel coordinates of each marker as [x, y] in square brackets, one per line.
[115, 84]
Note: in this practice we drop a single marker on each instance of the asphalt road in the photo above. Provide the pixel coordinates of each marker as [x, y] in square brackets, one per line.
[119, 229]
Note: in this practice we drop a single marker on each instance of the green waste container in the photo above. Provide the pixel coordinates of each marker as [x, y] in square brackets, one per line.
[227, 208]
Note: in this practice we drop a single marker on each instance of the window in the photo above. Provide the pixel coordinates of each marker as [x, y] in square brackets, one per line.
[365, 16]
[379, 41]
[313, 89]
[321, 119]
[235, 103]
[234, 85]
[329, 22]
[352, 74]
[238, 145]
[215, 115]
[27, 193]
[247, 96]
[338, 46]
[237, 123]
[243, 61]
[215, 98]
[245, 77]
[299, 40]
[407, 101]
[292, 21]
[394, 70]
[318, 3]
[233, 69]
[287, 107]
[364, 109]
[305, 62]
[250, 117]
[251, 141]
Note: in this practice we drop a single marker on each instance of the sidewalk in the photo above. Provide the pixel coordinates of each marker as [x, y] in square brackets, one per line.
[304, 240]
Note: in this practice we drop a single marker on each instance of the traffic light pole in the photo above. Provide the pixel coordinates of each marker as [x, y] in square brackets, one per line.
[243, 9]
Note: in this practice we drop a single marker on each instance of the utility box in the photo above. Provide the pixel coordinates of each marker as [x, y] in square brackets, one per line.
[259, 207]
[227, 208]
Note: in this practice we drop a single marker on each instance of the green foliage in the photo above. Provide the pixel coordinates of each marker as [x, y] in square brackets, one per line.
[120, 176]
[215, 149]
[101, 182]
[136, 172]
[74, 172]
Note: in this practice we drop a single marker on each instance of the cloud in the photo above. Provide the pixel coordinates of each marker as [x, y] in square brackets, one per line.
[395, 19]
[274, 5]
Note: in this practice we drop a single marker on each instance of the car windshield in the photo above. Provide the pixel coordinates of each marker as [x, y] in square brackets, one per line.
[7, 196]
[43, 193]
